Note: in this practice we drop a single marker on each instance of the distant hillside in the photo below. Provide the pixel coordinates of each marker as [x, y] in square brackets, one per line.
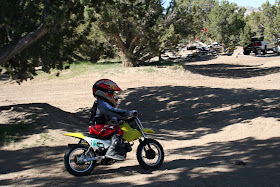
[250, 10]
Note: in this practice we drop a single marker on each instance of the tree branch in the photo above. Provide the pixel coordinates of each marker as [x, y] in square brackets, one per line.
[121, 44]
[133, 42]
[13, 48]
[147, 57]
[17, 46]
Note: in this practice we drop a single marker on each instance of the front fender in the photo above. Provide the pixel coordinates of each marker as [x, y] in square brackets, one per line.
[150, 131]
[130, 134]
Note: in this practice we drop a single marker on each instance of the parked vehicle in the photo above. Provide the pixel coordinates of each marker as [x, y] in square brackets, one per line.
[258, 46]
[228, 51]
[248, 49]
[276, 48]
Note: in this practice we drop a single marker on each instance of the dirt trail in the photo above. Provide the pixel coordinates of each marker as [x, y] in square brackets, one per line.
[208, 117]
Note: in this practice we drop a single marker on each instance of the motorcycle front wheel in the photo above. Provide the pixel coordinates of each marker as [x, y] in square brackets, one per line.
[150, 154]
[75, 160]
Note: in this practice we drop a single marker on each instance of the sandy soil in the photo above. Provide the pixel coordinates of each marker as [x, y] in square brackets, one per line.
[209, 117]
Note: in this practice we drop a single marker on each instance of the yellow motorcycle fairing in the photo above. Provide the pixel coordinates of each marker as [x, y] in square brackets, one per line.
[76, 135]
[130, 134]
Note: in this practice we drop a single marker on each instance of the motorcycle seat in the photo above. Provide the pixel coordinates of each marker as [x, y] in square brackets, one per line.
[97, 137]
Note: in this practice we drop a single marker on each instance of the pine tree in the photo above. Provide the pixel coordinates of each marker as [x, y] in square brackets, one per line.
[45, 33]
[133, 25]
[226, 23]
[277, 20]
[246, 34]
[267, 21]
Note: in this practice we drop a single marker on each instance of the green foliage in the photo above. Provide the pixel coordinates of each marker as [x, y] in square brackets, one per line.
[78, 68]
[148, 70]
[226, 23]
[9, 133]
[132, 24]
[68, 38]
[200, 10]
[182, 17]
[136, 30]
[44, 137]
[94, 45]
[277, 20]
[267, 20]
[255, 22]
[246, 35]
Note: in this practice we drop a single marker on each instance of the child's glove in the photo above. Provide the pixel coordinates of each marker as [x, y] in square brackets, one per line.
[133, 113]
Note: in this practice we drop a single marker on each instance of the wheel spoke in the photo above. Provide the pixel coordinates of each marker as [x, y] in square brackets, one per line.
[148, 159]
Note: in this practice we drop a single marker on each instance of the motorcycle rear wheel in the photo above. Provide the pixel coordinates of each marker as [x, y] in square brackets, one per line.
[75, 166]
[150, 158]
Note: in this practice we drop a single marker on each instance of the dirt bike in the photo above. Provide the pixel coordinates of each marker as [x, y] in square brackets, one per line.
[80, 159]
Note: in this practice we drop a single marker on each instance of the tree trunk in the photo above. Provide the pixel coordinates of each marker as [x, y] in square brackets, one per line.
[126, 62]
[124, 53]
[159, 56]
[14, 48]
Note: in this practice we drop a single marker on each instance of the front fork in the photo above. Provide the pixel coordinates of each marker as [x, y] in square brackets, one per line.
[150, 152]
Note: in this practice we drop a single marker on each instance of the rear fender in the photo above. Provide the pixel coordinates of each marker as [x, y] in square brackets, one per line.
[79, 136]
[76, 135]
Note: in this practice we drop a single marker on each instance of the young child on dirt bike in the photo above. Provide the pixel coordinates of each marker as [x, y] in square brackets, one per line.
[105, 116]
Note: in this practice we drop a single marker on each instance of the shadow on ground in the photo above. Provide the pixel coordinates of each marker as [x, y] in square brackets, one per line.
[4, 77]
[39, 117]
[167, 109]
[231, 71]
[261, 170]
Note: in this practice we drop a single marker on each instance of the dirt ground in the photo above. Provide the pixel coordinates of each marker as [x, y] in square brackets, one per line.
[218, 121]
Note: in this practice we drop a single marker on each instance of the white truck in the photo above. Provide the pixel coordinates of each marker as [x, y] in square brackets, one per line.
[258, 46]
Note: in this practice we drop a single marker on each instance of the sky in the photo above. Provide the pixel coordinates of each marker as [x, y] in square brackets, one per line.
[252, 3]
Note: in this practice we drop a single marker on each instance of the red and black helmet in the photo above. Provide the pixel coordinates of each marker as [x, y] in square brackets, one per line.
[105, 88]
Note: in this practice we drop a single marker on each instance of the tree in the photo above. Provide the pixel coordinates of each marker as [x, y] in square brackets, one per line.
[133, 25]
[93, 43]
[45, 33]
[174, 25]
[201, 10]
[277, 20]
[226, 23]
[277, 17]
[22, 24]
[267, 20]
[254, 21]
[246, 34]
